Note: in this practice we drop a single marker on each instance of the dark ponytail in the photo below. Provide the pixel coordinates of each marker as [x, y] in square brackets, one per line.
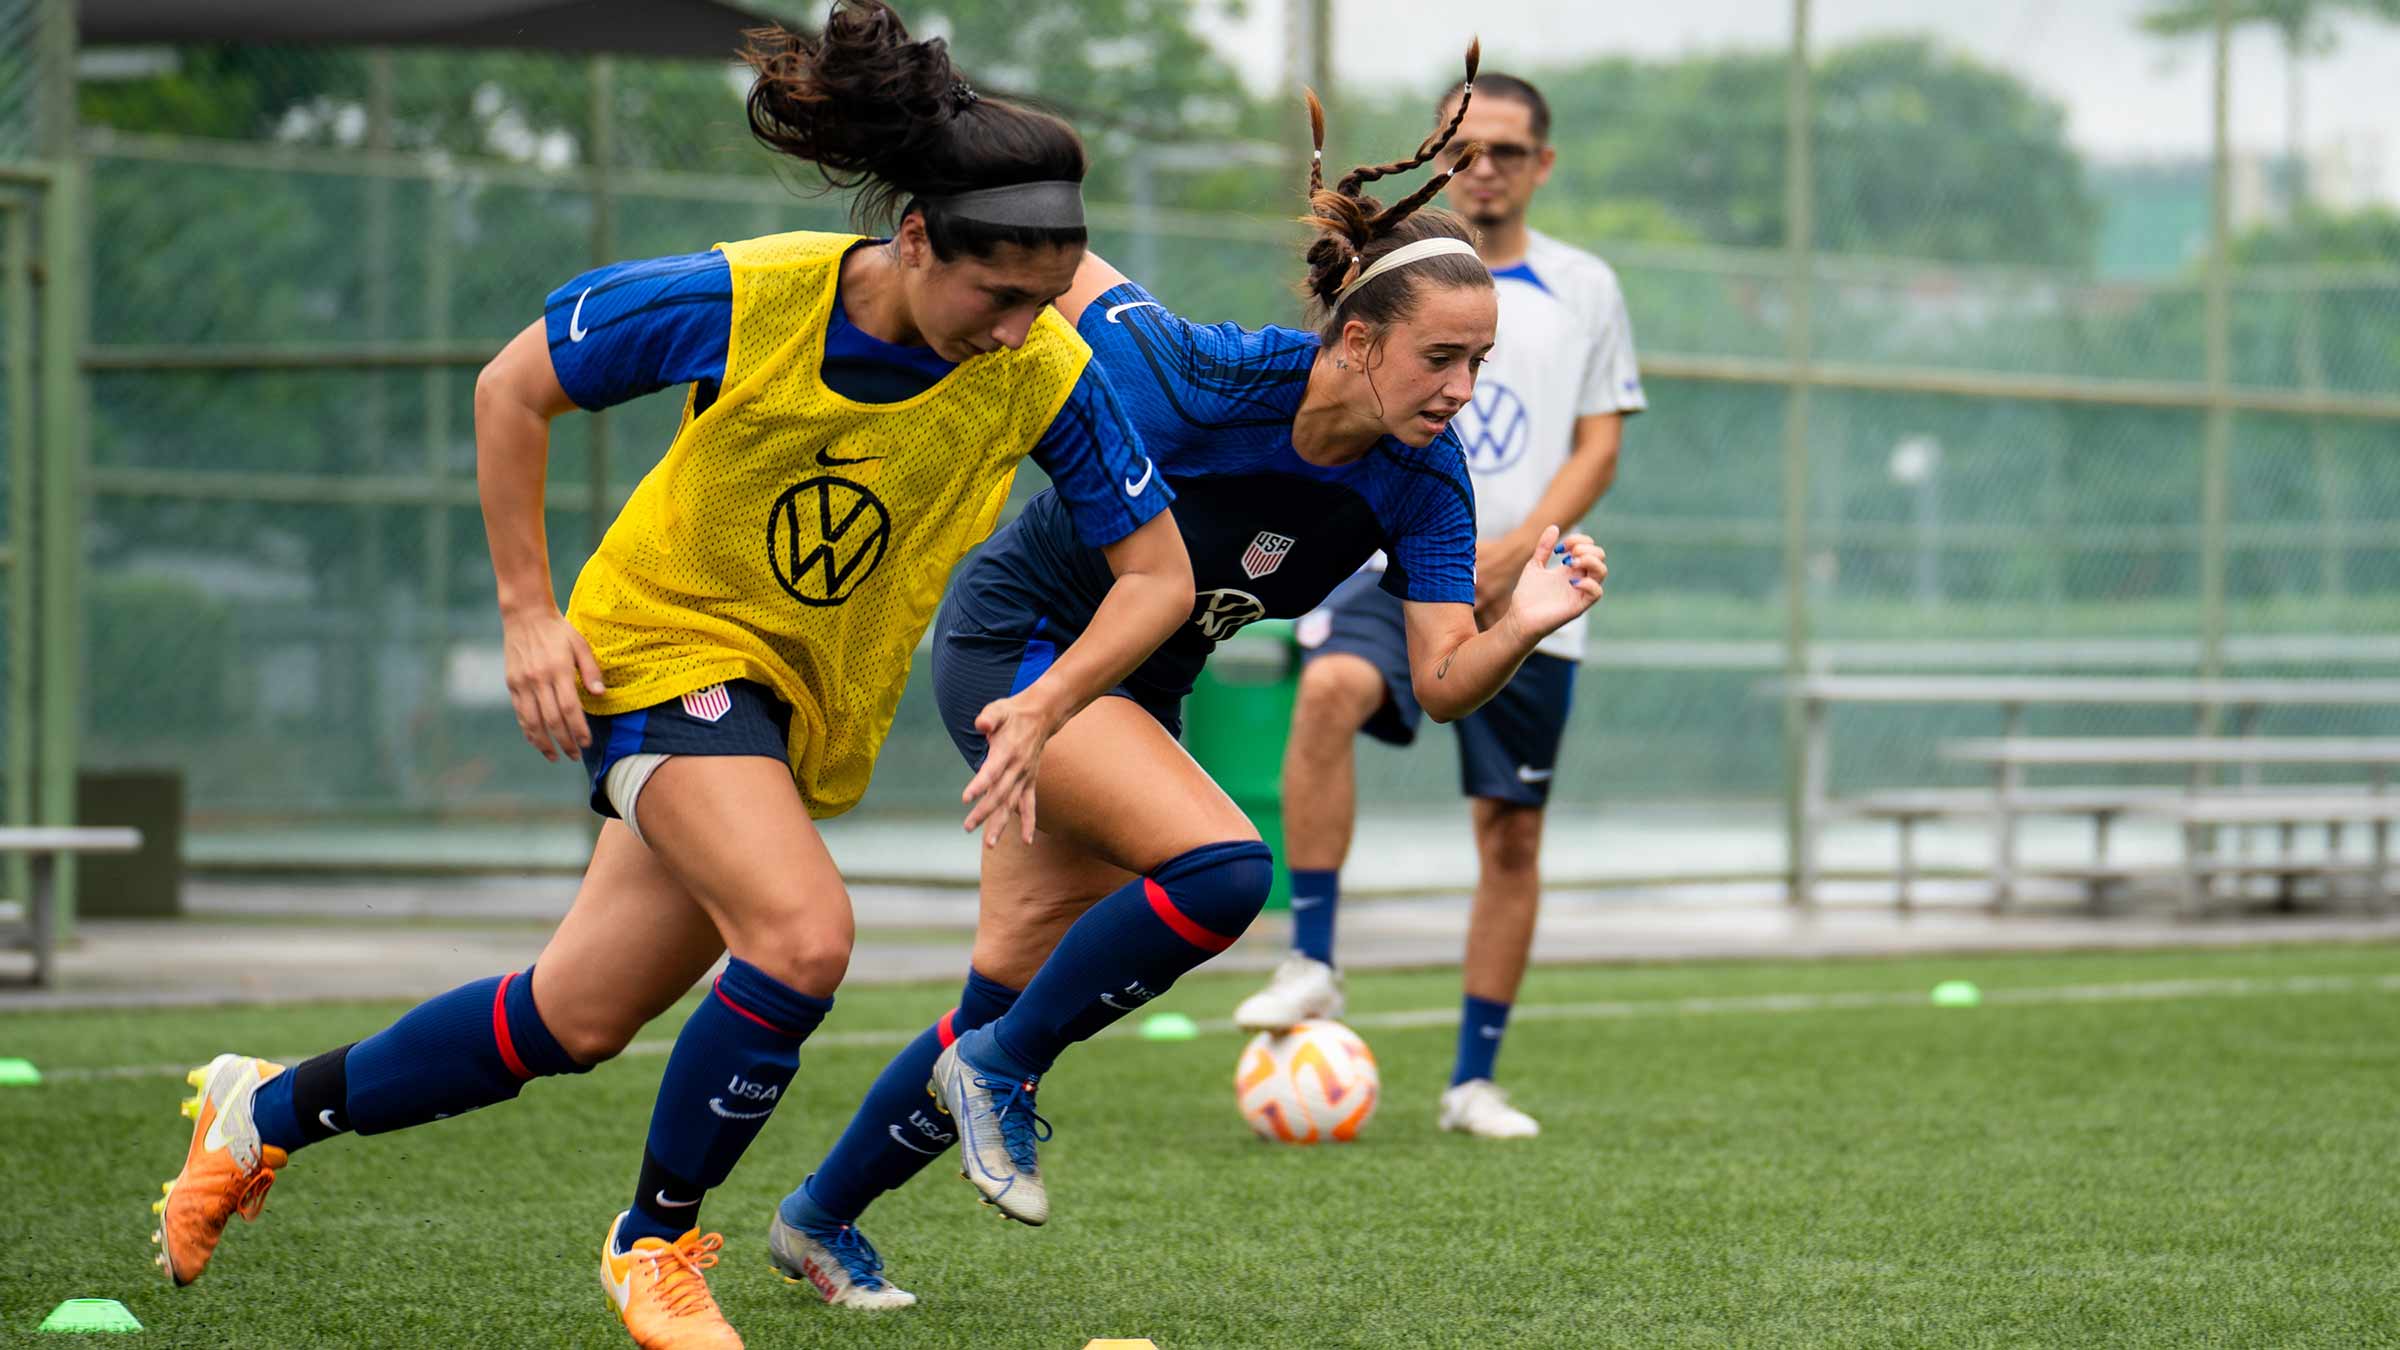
[1354, 230]
[892, 117]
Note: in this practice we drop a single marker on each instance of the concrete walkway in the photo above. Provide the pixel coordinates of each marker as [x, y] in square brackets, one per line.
[294, 941]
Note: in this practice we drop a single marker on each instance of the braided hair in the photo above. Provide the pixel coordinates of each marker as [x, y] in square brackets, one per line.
[1354, 230]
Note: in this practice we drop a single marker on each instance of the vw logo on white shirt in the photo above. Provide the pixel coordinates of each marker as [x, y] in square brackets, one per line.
[1494, 428]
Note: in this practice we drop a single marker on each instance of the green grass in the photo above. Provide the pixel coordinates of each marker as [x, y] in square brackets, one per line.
[2210, 1168]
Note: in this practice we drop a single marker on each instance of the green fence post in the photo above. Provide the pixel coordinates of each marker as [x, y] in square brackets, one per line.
[2217, 438]
[1799, 205]
[1235, 722]
[24, 458]
[602, 91]
[63, 508]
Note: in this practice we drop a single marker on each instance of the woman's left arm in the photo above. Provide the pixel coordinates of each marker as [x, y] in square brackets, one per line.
[1454, 669]
[1152, 594]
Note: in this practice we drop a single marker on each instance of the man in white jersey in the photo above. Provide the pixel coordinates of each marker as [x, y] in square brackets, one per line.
[1541, 440]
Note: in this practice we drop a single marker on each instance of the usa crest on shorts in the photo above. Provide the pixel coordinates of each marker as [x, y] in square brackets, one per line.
[708, 705]
[1265, 554]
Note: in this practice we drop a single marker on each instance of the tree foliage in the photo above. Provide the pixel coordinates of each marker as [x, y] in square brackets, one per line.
[1919, 153]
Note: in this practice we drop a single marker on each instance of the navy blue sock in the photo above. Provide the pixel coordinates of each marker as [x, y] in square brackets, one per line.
[1127, 950]
[1480, 1025]
[476, 1045]
[729, 1068]
[1314, 896]
[897, 1130]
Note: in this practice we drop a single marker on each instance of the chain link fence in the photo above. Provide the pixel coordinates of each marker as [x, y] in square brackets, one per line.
[289, 600]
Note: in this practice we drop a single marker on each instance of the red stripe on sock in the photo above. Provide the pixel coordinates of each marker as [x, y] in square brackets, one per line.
[717, 987]
[946, 1030]
[508, 1044]
[1175, 918]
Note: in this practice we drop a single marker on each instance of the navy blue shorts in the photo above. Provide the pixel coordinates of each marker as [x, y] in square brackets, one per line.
[982, 656]
[1507, 749]
[738, 717]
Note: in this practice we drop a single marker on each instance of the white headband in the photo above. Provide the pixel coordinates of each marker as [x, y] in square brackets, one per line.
[1439, 246]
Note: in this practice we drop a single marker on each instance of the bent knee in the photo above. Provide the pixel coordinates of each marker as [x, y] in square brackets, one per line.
[1338, 693]
[813, 963]
[593, 1037]
[1221, 887]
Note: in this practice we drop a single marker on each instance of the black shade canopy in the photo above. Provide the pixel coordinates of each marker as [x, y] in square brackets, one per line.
[687, 28]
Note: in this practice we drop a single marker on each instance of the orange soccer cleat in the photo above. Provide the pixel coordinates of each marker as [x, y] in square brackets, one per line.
[661, 1295]
[226, 1171]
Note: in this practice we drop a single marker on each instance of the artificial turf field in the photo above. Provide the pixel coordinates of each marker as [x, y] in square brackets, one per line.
[2155, 1149]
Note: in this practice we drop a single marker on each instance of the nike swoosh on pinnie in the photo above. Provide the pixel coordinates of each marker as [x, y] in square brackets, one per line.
[836, 461]
[575, 328]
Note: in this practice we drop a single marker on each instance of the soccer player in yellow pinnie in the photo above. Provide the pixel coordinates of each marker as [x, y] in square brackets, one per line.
[730, 662]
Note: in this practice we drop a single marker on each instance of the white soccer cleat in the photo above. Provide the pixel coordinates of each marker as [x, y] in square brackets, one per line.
[998, 1130]
[1300, 989]
[1478, 1107]
[839, 1261]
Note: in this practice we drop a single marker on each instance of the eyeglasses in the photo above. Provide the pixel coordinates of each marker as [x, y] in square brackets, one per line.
[1506, 157]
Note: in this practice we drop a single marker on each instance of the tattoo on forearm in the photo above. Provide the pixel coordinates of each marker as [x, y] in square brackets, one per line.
[1442, 671]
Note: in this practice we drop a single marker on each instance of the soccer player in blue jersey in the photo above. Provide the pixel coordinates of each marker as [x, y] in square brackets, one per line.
[1541, 440]
[854, 410]
[1294, 456]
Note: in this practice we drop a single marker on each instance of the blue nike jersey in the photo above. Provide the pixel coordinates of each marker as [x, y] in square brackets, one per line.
[632, 328]
[1270, 535]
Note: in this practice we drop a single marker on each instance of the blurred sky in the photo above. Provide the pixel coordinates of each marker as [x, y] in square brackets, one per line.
[2128, 95]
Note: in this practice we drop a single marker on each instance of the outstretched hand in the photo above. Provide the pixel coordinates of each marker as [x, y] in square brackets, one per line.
[1559, 582]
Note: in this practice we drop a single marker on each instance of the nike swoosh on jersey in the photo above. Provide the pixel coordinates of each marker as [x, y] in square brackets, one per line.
[1149, 468]
[836, 461]
[902, 1139]
[717, 1104]
[1115, 310]
[575, 328]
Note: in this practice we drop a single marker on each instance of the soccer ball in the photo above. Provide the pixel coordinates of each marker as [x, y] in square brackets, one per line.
[1312, 1084]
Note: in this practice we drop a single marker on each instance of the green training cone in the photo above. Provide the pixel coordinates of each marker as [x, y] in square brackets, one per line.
[1956, 994]
[90, 1314]
[19, 1073]
[1168, 1026]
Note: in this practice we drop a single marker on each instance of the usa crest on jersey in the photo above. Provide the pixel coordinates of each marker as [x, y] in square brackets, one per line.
[1265, 554]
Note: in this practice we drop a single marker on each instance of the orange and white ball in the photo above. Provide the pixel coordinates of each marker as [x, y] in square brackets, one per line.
[1313, 1084]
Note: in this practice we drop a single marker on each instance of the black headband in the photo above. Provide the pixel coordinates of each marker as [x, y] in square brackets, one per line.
[1051, 205]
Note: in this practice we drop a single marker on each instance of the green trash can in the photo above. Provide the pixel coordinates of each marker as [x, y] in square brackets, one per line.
[1235, 721]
